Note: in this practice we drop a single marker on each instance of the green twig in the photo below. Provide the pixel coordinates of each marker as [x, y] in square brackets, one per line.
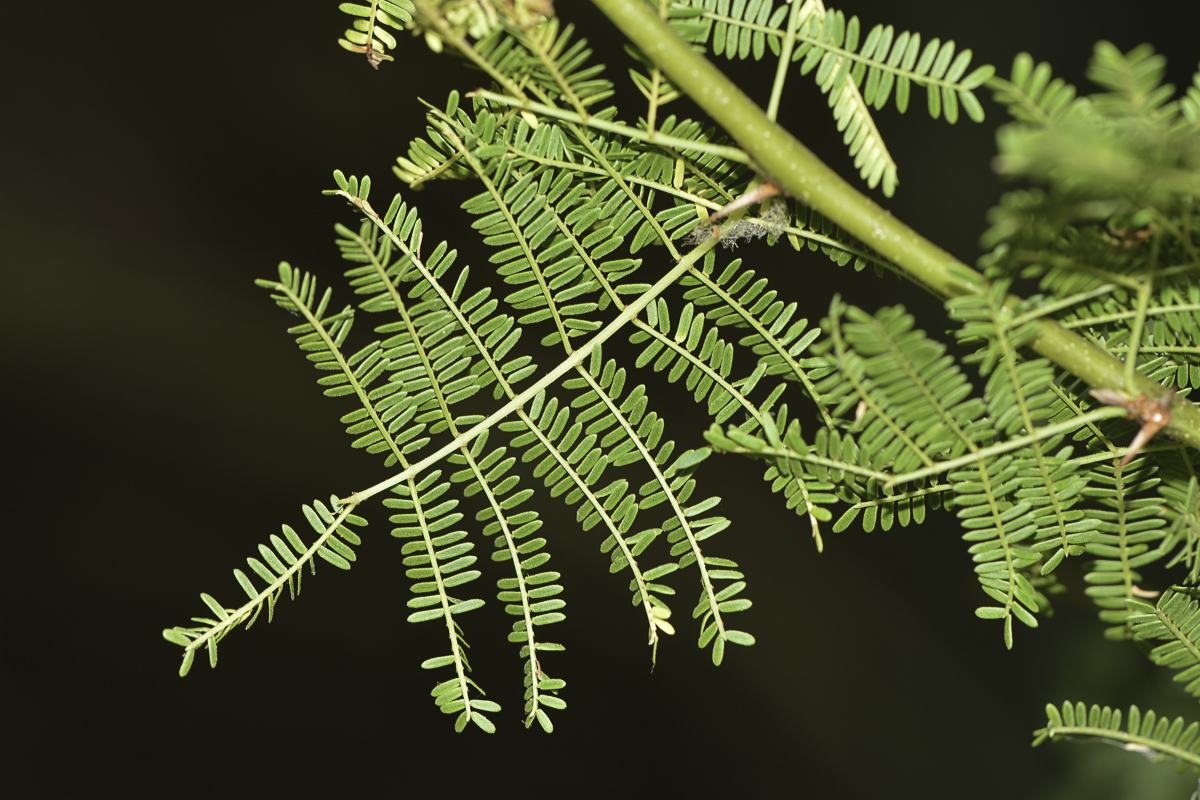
[795, 169]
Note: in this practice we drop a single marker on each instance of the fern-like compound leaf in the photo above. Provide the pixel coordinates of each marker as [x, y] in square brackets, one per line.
[856, 72]
[1147, 734]
[439, 562]
[736, 298]
[438, 357]
[388, 422]
[1180, 495]
[522, 213]
[1131, 529]
[552, 66]
[1176, 621]
[368, 34]
[1112, 155]
[598, 228]
[1021, 400]
[1032, 96]
[280, 566]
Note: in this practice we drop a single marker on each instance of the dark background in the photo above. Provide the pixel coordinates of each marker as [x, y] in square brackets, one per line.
[160, 424]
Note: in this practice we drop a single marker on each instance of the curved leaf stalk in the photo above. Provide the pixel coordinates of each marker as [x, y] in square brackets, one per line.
[1038, 310]
[1147, 735]
[890, 480]
[1009, 445]
[796, 170]
[751, 445]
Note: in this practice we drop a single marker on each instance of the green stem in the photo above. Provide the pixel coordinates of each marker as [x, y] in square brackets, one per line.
[785, 60]
[789, 164]
[798, 171]
[1145, 745]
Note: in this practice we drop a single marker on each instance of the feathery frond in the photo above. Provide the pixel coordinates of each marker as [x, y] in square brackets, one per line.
[1156, 738]
[863, 419]
[1130, 526]
[1176, 619]
[1032, 96]
[367, 35]
[282, 565]
[856, 76]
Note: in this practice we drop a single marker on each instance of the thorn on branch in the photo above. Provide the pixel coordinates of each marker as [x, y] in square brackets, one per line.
[1154, 414]
[756, 195]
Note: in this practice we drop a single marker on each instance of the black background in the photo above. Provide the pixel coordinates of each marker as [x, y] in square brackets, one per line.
[160, 424]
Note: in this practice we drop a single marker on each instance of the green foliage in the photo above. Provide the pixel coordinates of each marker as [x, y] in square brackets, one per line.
[856, 75]
[368, 34]
[864, 419]
[1157, 738]
[1175, 620]
[282, 565]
